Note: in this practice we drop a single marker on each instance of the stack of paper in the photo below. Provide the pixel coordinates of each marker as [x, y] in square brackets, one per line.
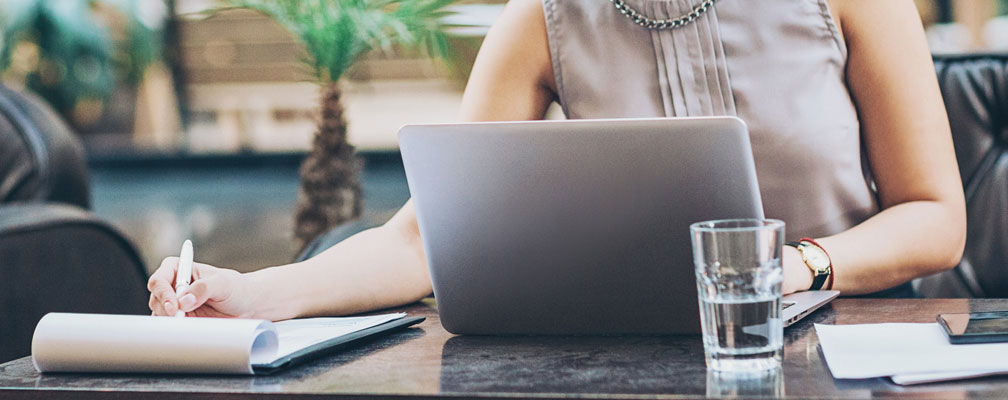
[908, 353]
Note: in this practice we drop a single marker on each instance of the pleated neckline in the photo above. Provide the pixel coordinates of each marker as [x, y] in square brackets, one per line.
[692, 69]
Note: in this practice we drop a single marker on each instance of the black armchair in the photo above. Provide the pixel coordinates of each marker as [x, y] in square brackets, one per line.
[54, 254]
[975, 88]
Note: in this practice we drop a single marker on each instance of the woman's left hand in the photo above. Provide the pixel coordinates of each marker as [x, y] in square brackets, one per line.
[797, 275]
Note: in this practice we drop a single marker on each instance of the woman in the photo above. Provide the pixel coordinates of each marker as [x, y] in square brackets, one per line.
[837, 94]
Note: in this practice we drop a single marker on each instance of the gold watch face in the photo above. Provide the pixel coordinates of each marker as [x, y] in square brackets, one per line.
[816, 258]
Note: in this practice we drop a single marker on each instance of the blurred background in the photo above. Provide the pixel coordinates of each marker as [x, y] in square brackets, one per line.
[196, 120]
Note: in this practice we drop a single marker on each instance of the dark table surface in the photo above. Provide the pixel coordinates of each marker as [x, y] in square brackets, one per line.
[428, 362]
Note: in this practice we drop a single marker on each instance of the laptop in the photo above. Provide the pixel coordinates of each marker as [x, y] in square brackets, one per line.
[576, 227]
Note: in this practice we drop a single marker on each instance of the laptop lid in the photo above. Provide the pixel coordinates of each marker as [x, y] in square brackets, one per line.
[573, 227]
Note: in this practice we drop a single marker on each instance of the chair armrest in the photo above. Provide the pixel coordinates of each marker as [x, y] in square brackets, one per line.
[340, 233]
[60, 258]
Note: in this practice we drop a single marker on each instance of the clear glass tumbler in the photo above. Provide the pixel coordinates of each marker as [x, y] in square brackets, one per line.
[738, 272]
[761, 384]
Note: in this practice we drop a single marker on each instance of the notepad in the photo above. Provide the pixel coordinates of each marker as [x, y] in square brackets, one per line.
[66, 342]
[908, 353]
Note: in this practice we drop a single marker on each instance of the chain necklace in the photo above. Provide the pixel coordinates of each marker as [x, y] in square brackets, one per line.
[651, 23]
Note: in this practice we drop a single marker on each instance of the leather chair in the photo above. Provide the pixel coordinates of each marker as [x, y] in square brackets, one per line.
[54, 254]
[975, 88]
[341, 233]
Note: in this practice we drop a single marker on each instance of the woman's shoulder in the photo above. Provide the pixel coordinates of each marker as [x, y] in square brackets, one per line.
[855, 15]
[527, 8]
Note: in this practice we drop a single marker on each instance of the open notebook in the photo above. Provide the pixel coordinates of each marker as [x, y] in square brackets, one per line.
[66, 342]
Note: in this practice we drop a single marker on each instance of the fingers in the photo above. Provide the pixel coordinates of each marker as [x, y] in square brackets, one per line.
[161, 285]
[211, 287]
[159, 307]
[210, 284]
[208, 312]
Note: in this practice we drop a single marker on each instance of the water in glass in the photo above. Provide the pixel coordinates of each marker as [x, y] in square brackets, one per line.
[743, 333]
[738, 271]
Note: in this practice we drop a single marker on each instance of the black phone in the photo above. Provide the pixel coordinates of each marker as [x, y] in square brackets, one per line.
[979, 327]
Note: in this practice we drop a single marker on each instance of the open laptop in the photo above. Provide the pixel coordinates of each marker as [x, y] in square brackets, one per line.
[576, 227]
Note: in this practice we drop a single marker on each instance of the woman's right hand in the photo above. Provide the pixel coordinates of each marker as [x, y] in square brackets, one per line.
[214, 292]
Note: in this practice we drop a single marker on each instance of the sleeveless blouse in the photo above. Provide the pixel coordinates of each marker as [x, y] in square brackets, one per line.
[776, 64]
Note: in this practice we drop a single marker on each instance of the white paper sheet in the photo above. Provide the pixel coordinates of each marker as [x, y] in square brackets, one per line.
[296, 334]
[909, 353]
[914, 379]
[66, 342]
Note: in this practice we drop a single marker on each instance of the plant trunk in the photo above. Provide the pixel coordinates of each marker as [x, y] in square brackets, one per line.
[330, 191]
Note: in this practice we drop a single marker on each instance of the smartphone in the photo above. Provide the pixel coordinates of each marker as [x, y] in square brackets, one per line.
[980, 327]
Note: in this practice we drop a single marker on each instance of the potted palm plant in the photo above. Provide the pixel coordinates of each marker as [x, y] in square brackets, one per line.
[335, 34]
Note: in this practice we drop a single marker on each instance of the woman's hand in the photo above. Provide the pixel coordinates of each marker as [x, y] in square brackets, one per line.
[214, 292]
[797, 275]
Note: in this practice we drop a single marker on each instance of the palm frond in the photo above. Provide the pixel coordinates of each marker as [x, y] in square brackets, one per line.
[337, 32]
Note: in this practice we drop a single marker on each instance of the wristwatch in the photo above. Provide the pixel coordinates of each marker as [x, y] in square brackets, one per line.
[817, 260]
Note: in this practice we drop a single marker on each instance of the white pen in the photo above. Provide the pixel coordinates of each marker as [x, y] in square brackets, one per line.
[183, 276]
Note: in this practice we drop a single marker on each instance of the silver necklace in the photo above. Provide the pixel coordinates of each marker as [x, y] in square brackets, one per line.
[651, 23]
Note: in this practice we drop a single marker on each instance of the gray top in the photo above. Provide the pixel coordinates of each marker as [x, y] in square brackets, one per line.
[777, 64]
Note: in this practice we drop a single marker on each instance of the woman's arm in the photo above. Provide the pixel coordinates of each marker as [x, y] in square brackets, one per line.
[922, 226]
[512, 79]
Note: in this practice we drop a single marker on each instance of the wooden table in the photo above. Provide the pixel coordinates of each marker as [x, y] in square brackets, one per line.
[427, 362]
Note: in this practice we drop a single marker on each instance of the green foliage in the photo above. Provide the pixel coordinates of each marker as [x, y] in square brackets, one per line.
[337, 32]
[70, 53]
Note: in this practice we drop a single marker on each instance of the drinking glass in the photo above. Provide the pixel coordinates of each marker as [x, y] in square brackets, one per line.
[738, 272]
[760, 384]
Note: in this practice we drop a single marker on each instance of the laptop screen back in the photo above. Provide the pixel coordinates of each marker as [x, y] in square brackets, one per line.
[573, 227]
